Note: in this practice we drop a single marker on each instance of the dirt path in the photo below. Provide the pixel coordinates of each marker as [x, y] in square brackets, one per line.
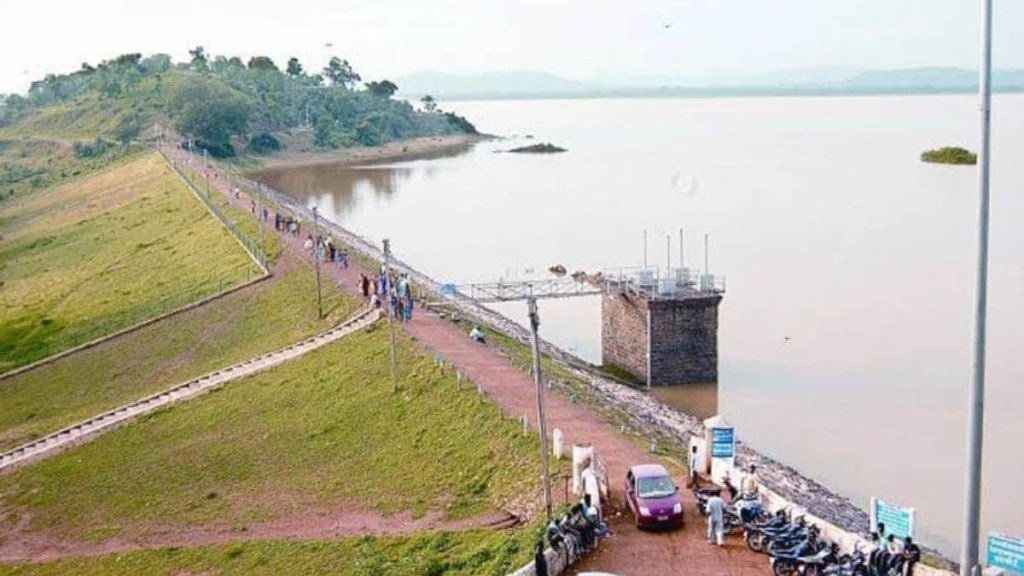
[627, 551]
[346, 522]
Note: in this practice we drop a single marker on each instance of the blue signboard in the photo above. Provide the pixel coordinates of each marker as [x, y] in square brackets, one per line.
[898, 521]
[722, 443]
[1006, 552]
[449, 289]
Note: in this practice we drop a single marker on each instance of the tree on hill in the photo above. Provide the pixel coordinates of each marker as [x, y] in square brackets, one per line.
[227, 105]
[198, 62]
[384, 88]
[262, 63]
[294, 68]
[340, 72]
[212, 115]
[429, 104]
[156, 64]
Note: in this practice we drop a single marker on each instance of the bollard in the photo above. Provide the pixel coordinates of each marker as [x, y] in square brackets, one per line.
[459, 380]
[526, 424]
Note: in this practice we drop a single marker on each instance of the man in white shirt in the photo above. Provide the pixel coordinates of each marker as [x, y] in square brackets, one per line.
[716, 507]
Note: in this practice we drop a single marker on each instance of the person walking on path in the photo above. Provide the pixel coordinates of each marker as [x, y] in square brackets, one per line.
[716, 530]
[308, 245]
[364, 285]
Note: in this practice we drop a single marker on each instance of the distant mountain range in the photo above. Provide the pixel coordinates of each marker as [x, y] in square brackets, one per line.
[809, 81]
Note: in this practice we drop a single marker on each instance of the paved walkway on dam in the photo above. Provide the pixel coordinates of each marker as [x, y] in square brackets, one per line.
[627, 551]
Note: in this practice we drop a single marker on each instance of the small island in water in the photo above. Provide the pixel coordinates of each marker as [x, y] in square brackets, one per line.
[950, 155]
[545, 148]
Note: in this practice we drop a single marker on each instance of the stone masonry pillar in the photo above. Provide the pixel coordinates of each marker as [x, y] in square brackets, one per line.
[663, 342]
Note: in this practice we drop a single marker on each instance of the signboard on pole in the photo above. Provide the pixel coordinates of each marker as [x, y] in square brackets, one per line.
[898, 521]
[723, 443]
[1005, 552]
[449, 290]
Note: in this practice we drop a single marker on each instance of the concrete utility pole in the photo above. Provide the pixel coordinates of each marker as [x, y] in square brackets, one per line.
[976, 408]
[542, 420]
[387, 304]
[259, 207]
[316, 263]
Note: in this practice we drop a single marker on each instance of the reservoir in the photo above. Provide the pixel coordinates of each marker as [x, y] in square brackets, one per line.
[845, 332]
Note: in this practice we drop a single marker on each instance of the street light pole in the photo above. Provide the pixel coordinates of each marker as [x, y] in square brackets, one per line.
[391, 326]
[316, 263]
[542, 421]
[976, 399]
[259, 211]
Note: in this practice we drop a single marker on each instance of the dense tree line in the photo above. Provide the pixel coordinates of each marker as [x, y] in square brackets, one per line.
[220, 102]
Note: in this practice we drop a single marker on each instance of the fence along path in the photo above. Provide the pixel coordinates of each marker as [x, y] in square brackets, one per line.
[71, 435]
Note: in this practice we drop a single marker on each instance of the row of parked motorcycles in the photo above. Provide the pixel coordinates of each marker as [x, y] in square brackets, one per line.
[794, 546]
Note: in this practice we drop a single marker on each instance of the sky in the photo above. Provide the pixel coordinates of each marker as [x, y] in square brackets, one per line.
[596, 40]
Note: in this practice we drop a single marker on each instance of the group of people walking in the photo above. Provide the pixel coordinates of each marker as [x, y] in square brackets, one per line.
[325, 250]
[286, 224]
[397, 294]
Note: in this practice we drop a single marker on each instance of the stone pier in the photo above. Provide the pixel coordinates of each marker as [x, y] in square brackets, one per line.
[663, 341]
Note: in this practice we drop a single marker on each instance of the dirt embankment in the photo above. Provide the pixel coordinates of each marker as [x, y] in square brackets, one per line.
[389, 151]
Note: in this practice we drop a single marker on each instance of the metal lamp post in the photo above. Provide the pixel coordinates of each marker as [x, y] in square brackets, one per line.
[969, 565]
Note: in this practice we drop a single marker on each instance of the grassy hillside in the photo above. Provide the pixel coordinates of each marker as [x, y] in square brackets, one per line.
[219, 103]
[29, 164]
[102, 252]
[258, 319]
[467, 553]
[320, 434]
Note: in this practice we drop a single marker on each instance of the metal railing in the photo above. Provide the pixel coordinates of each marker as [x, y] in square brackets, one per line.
[654, 283]
[251, 246]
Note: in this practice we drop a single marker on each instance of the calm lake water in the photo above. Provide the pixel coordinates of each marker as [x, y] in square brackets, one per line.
[845, 332]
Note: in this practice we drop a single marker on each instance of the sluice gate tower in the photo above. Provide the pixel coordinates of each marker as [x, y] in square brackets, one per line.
[662, 328]
[659, 326]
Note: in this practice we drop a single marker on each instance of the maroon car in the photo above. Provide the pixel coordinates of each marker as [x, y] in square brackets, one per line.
[653, 497]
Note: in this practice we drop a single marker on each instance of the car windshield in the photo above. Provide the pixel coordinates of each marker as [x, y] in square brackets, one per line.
[655, 487]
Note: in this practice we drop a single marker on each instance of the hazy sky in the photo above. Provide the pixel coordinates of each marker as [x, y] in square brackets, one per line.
[587, 39]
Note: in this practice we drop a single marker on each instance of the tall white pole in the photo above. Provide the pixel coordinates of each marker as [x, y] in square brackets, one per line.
[682, 258]
[976, 399]
[645, 249]
[706, 268]
[668, 253]
[542, 420]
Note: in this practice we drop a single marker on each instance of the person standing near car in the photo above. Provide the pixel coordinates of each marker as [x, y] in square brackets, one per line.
[693, 466]
[716, 530]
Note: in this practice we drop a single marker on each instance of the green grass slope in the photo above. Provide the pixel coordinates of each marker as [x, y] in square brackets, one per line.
[102, 252]
[466, 553]
[257, 319]
[322, 433]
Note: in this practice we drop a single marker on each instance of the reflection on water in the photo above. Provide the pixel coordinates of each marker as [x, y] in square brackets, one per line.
[845, 334]
[700, 400]
[341, 187]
